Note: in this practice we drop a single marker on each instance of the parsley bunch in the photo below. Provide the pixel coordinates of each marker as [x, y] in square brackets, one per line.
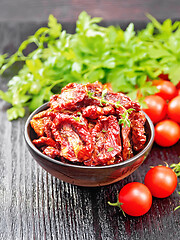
[176, 168]
[107, 54]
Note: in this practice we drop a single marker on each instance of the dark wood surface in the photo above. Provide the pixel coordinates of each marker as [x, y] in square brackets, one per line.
[68, 10]
[35, 205]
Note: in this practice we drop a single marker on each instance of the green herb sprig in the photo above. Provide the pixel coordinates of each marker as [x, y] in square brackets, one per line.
[79, 118]
[110, 149]
[176, 168]
[125, 118]
[125, 115]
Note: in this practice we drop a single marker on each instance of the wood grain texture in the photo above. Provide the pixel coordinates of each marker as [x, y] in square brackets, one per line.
[36, 205]
[68, 10]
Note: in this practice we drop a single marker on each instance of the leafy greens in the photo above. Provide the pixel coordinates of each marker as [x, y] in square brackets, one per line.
[123, 58]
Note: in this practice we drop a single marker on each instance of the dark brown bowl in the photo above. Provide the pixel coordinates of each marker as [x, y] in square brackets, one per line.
[86, 175]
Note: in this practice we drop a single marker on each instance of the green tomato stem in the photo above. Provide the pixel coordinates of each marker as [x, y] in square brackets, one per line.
[117, 204]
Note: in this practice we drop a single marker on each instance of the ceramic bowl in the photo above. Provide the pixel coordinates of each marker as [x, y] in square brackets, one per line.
[86, 175]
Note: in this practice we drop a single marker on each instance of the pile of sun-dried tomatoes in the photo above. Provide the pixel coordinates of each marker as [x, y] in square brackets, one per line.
[90, 125]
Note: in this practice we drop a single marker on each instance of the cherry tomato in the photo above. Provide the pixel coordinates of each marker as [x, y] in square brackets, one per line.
[173, 110]
[156, 108]
[161, 181]
[167, 90]
[135, 199]
[167, 133]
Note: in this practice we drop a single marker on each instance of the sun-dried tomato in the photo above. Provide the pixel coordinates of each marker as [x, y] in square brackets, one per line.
[94, 112]
[138, 132]
[127, 150]
[123, 100]
[106, 140]
[45, 141]
[91, 125]
[51, 152]
[70, 96]
[74, 137]
[37, 123]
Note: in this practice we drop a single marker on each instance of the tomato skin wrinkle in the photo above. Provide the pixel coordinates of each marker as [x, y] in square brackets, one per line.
[161, 181]
[134, 199]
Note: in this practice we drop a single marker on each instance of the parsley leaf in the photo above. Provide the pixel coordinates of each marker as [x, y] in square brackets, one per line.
[14, 112]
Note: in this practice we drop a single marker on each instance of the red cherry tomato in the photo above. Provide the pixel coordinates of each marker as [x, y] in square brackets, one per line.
[135, 199]
[157, 108]
[174, 109]
[161, 181]
[167, 133]
[167, 90]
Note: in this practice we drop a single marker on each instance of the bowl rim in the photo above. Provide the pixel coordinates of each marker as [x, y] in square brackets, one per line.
[121, 164]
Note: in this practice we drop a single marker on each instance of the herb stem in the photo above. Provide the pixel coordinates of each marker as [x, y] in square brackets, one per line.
[125, 116]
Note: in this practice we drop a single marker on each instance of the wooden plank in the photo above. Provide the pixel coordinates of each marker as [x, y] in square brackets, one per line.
[68, 10]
